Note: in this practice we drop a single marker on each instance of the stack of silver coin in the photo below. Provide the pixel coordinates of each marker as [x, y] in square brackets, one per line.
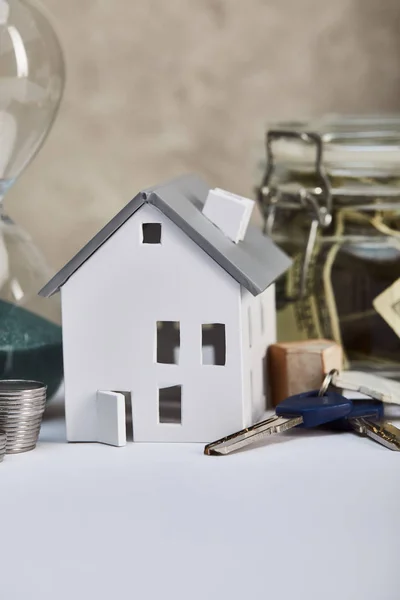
[22, 404]
[2, 445]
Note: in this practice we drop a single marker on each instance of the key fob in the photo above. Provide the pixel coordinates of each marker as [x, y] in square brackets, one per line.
[367, 409]
[315, 409]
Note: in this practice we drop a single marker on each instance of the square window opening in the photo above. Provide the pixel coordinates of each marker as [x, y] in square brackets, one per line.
[170, 405]
[168, 342]
[151, 233]
[213, 344]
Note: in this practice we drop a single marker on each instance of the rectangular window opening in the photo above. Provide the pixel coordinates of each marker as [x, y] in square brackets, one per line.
[213, 344]
[250, 327]
[168, 342]
[170, 404]
[151, 233]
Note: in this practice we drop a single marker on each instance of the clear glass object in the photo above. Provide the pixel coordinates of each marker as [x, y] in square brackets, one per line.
[31, 87]
[330, 196]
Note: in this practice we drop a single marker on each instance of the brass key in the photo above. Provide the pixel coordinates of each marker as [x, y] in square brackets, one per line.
[383, 432]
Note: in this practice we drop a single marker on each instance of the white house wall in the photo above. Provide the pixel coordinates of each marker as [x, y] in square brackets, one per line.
[258, 332]
[110, 309]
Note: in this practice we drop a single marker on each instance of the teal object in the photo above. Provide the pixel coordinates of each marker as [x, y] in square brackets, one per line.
[30, 347]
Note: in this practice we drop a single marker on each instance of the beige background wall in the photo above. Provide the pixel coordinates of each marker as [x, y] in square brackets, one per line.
[160, 87]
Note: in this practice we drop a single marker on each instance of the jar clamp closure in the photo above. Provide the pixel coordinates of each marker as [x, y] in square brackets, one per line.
[330, 196]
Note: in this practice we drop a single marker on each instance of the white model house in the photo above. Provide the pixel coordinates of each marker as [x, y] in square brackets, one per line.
[170, 305]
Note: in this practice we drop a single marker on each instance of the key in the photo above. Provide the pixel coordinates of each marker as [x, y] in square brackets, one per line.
[384, 433]
[380, 388]
[366, 419]
[370, 410]
[309, 409]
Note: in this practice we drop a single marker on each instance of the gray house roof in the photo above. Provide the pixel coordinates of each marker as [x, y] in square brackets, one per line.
[255, 262]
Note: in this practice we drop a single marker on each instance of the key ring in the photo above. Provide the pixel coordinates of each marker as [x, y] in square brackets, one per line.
[327, 382]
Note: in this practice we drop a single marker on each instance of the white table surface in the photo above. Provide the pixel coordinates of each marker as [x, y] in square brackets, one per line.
[308, 515]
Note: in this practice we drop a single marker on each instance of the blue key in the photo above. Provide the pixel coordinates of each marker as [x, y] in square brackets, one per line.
[373, 410]
[366, 418]
[314, 409]
[306, 410]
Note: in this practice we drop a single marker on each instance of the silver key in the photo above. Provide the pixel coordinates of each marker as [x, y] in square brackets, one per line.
[250, 435]
[310, 409]
[379, 388]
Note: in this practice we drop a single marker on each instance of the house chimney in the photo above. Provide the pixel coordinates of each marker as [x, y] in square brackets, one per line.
[229, 212]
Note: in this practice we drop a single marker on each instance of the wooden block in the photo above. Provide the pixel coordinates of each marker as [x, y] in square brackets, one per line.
[296, 367]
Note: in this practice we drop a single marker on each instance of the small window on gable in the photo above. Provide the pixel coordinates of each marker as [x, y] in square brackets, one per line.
[168, 342]
[213, 344]
[151, 233]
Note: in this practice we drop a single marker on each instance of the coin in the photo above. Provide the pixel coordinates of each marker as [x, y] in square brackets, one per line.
[22, 403]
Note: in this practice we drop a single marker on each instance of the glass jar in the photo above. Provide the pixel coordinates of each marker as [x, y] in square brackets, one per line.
[330, 197]
[31, 87]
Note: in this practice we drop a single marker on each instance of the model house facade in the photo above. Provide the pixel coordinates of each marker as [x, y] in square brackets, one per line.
[159, 307]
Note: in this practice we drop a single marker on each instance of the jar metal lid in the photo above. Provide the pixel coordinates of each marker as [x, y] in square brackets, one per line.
[352, 146]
